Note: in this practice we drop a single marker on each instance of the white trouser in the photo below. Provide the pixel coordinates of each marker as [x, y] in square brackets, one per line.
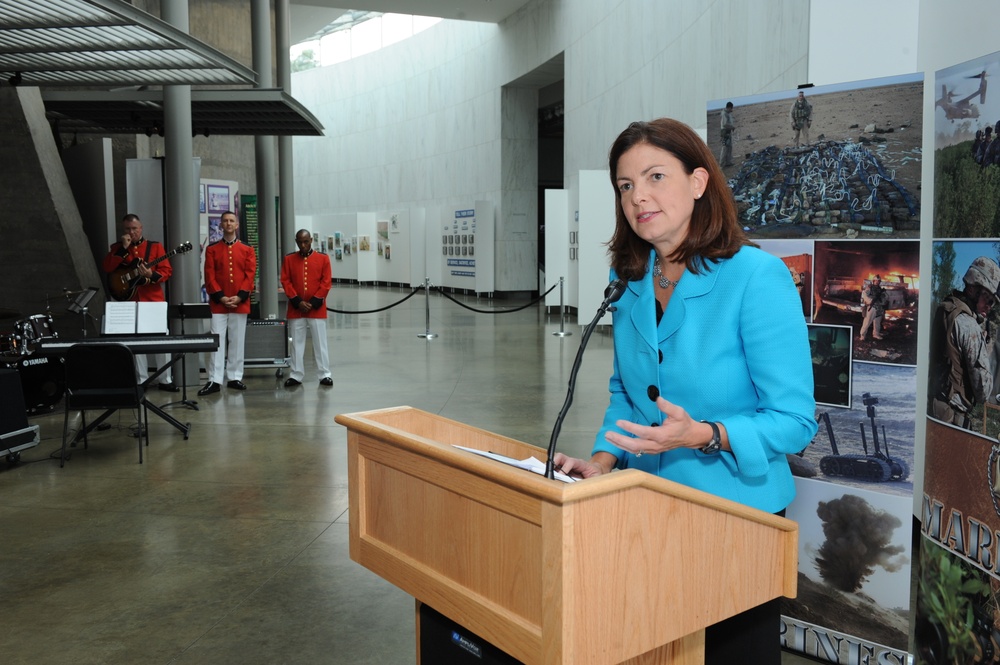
[158, 360]
[317, 329]
[236, 327]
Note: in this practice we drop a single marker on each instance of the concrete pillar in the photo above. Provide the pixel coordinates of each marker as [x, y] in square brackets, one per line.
[260, 21]
[286, 183]
[180, 193]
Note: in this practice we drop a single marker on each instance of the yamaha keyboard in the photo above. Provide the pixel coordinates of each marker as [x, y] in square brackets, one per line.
[175, 345]
[137, 343]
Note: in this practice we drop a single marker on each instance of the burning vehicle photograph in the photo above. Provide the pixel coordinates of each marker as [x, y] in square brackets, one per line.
[872, 286]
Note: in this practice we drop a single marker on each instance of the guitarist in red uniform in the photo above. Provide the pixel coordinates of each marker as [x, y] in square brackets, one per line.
[133, 248]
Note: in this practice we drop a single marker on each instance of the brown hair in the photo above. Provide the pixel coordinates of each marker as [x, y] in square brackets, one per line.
[714, 232]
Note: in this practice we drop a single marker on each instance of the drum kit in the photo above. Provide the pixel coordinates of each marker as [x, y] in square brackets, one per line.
[42, 377]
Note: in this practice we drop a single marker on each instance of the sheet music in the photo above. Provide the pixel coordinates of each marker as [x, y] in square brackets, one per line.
[119, 318]
[130, 318]
[529, 463]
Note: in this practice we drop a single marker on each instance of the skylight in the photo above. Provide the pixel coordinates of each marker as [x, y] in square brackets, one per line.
[354, 34]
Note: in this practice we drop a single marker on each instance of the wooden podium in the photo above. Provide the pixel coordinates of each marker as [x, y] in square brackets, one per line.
[624, 568]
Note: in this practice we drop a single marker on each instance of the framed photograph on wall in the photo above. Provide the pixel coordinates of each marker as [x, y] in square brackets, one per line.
[214, 229]
[218, 198]
[201, 199]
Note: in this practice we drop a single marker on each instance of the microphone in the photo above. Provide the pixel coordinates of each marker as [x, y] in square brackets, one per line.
[612, 293]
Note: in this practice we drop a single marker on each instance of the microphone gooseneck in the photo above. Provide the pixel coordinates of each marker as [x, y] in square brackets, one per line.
[612, 293]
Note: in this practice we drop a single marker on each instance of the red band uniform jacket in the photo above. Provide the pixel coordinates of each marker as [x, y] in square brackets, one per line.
[229, 271]
[306, 278]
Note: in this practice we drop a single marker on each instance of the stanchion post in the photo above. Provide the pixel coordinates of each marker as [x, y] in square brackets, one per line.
[562, 313]
[427, 334]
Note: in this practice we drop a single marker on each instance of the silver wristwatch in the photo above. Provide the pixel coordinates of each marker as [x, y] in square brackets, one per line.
[715, 445]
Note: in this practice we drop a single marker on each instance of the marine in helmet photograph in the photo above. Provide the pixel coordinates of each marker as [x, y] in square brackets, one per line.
[964, 356]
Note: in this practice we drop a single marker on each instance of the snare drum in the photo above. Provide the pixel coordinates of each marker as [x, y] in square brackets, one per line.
[33, 329]
[10, 346]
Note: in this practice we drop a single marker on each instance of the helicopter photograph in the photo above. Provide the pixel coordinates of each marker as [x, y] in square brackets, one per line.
[967, 151]
[960, 109]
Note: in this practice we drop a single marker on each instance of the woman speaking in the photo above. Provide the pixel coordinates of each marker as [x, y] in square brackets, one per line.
[712, 383]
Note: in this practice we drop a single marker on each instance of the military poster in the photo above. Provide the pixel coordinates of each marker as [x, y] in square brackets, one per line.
[828, 180]
[458, 249]
[958, 620]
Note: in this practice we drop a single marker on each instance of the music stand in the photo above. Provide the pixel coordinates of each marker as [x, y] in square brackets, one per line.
[184, 311]
[79, 305]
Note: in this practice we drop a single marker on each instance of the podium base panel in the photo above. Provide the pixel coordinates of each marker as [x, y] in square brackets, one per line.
[441, 641]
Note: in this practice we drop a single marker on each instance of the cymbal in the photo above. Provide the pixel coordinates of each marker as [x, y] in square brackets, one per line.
[9, 314]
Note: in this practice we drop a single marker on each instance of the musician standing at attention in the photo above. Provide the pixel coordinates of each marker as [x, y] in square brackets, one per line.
[230, 267]
[133, 247]
[305, 277]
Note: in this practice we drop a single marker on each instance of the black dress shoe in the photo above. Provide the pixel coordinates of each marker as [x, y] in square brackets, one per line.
[291, 383]
[210, 387]
[170, 387]
[326, 381]
[236, 384]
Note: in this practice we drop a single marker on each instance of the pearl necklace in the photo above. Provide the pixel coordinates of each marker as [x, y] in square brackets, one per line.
[663, 281]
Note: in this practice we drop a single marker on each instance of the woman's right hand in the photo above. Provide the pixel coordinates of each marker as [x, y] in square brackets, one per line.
[578, 468]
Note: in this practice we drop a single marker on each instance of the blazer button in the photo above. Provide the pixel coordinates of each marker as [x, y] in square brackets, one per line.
[661, 356]
[653, 393]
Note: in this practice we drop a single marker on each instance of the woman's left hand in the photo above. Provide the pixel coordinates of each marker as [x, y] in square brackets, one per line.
[678, 430]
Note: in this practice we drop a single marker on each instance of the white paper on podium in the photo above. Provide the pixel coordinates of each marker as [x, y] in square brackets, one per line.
[130, 318]
[530, 463]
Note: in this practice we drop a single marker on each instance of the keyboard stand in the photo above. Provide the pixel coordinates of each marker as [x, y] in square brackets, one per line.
[183, 311]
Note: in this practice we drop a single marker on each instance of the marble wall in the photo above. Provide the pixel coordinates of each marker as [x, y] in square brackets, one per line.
[427, 122]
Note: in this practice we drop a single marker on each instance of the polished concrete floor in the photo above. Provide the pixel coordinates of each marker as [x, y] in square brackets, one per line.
[232, 546]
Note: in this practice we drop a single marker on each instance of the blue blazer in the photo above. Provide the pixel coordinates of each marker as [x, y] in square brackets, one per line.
[732, 347]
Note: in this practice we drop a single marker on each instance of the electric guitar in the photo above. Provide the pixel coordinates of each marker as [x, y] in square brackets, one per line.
[123, 282]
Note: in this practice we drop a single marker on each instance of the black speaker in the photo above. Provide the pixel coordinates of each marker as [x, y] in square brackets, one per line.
[13, 415]
[266, 342]
[43, 381]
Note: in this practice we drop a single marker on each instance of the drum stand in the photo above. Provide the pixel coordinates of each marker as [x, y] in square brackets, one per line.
[183, 311]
